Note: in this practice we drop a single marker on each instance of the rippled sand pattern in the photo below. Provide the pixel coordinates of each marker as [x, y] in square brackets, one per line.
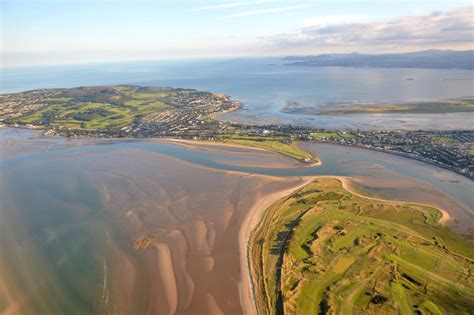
[194, 214]
[85, 259]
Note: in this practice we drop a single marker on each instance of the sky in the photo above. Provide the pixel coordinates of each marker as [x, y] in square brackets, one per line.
[38, 32]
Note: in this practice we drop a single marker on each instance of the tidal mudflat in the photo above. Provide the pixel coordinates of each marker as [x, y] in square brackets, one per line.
[69, 223]
[99, 226]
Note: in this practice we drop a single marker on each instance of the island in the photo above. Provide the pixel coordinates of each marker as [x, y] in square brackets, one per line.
[324, 249]
[460, 105]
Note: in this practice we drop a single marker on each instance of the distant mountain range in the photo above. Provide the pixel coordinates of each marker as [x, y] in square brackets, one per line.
[428, 59]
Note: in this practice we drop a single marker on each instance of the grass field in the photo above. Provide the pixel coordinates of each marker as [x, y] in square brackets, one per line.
[275, 144]
[106, 108]
[323, 250]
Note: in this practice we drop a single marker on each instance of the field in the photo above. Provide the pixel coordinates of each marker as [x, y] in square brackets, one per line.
[324, 250]
[437, 107]
[105, 108]
[275, 144]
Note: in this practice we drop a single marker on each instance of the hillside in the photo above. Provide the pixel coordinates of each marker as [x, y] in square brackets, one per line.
[428, 59]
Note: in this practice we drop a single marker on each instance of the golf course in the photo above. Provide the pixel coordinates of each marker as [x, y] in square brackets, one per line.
[325, 250]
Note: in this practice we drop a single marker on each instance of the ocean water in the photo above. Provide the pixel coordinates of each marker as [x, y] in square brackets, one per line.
[265, 85]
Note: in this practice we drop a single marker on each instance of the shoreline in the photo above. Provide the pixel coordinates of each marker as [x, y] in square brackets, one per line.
[251, 221]
[346, 184]
[254, 218]
[419, 159]
[236, 145]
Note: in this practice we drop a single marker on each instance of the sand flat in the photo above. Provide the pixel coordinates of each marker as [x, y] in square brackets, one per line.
[195, 214]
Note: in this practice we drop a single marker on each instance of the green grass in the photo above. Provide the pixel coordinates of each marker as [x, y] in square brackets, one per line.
[146, 96]
[135, 102]
[275, 144]
[120, 108]
[347, 254]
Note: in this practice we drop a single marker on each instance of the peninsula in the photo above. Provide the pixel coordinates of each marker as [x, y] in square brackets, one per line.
[325, 250]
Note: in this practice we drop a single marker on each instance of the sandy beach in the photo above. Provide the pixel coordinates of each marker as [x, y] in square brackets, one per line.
[250, 222]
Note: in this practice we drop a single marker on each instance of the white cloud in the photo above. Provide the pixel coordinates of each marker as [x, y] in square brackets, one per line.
[234, 5]
[265, 11]
[334, 19]
[437, 29]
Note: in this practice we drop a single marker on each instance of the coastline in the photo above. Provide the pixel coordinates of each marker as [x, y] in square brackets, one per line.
[251, 221]
[186, 142]
[407, 156]
[346, 184]
[318, 162]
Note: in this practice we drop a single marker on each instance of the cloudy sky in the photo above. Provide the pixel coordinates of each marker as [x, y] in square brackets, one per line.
[83, 31]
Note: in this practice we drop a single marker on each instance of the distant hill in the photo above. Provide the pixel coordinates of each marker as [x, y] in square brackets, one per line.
[427, 59]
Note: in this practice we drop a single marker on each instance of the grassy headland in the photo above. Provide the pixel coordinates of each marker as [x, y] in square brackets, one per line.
[276, 144]
[325, 250]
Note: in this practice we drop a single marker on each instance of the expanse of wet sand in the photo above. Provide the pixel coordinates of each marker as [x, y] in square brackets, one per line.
[194, 216]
